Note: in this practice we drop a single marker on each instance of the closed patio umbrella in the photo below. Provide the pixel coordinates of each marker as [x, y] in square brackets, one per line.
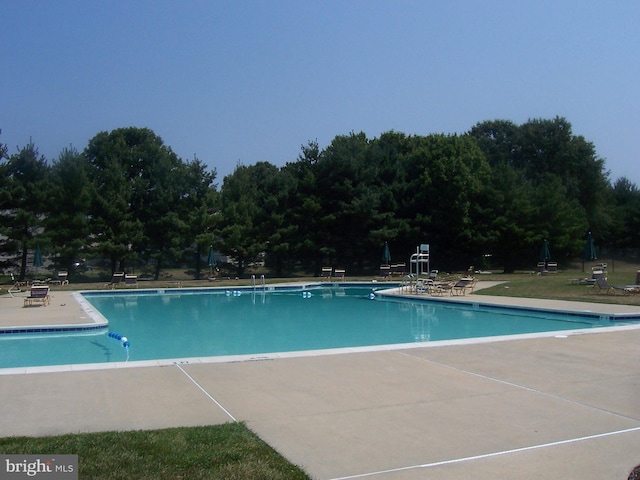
[589, 249]
[545, 254]
[37, 258]
[589, 253]
[386, 254]
[212, 260]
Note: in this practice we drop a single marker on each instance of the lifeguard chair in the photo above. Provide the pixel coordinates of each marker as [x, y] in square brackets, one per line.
[419, 261]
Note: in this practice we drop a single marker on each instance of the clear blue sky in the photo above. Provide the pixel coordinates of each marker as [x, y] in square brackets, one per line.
[246, 81]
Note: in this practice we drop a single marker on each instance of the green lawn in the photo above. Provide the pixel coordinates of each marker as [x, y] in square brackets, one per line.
[560, 287]
[229, 451]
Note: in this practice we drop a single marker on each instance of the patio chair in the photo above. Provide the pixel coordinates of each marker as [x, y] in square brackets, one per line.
[552, 267]
[460, 287]
[595, 275]
[61, 279]
[116, 280]
[385, 271]
[326, 272]
[602, 286]
[440, 288]
[398, 268]
[131, 281]
[338, 274]
[38, 294]
[470, 285]
[15, 287]
[424, 285]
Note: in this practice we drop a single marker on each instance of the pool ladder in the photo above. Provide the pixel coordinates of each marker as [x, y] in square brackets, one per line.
[253, 282]
[264, 288]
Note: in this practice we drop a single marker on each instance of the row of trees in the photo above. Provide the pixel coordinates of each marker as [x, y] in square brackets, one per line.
[127, 197]
[499, 190]
[496, 192]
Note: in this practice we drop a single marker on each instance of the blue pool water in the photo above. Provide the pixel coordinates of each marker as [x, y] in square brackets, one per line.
[204, 323]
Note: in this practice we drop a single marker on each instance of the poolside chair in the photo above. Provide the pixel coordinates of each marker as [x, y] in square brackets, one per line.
[385, 271]
[540, 268]
[424, 285]
[595, 275]
[461, 286]
[398, 268]
[471, 284]
[61, 279]
[552, 267]
[131, 281]
[38, 294]
[326, 272]
[15, 288]
[602, 286]
[338, 274]
[440, 288]
[116, 280]
[601, 266]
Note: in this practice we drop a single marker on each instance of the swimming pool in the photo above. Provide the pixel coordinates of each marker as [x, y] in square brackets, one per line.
[183, 323]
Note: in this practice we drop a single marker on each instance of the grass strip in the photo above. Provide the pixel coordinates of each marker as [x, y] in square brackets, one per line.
[229, 451]
[561, 286]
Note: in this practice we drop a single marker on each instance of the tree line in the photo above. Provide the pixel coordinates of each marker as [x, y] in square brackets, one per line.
[493, 194]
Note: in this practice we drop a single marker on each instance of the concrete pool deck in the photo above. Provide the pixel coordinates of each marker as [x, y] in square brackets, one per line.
[549, 406]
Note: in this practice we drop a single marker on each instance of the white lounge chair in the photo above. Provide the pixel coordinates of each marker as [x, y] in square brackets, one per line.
[38, 294]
